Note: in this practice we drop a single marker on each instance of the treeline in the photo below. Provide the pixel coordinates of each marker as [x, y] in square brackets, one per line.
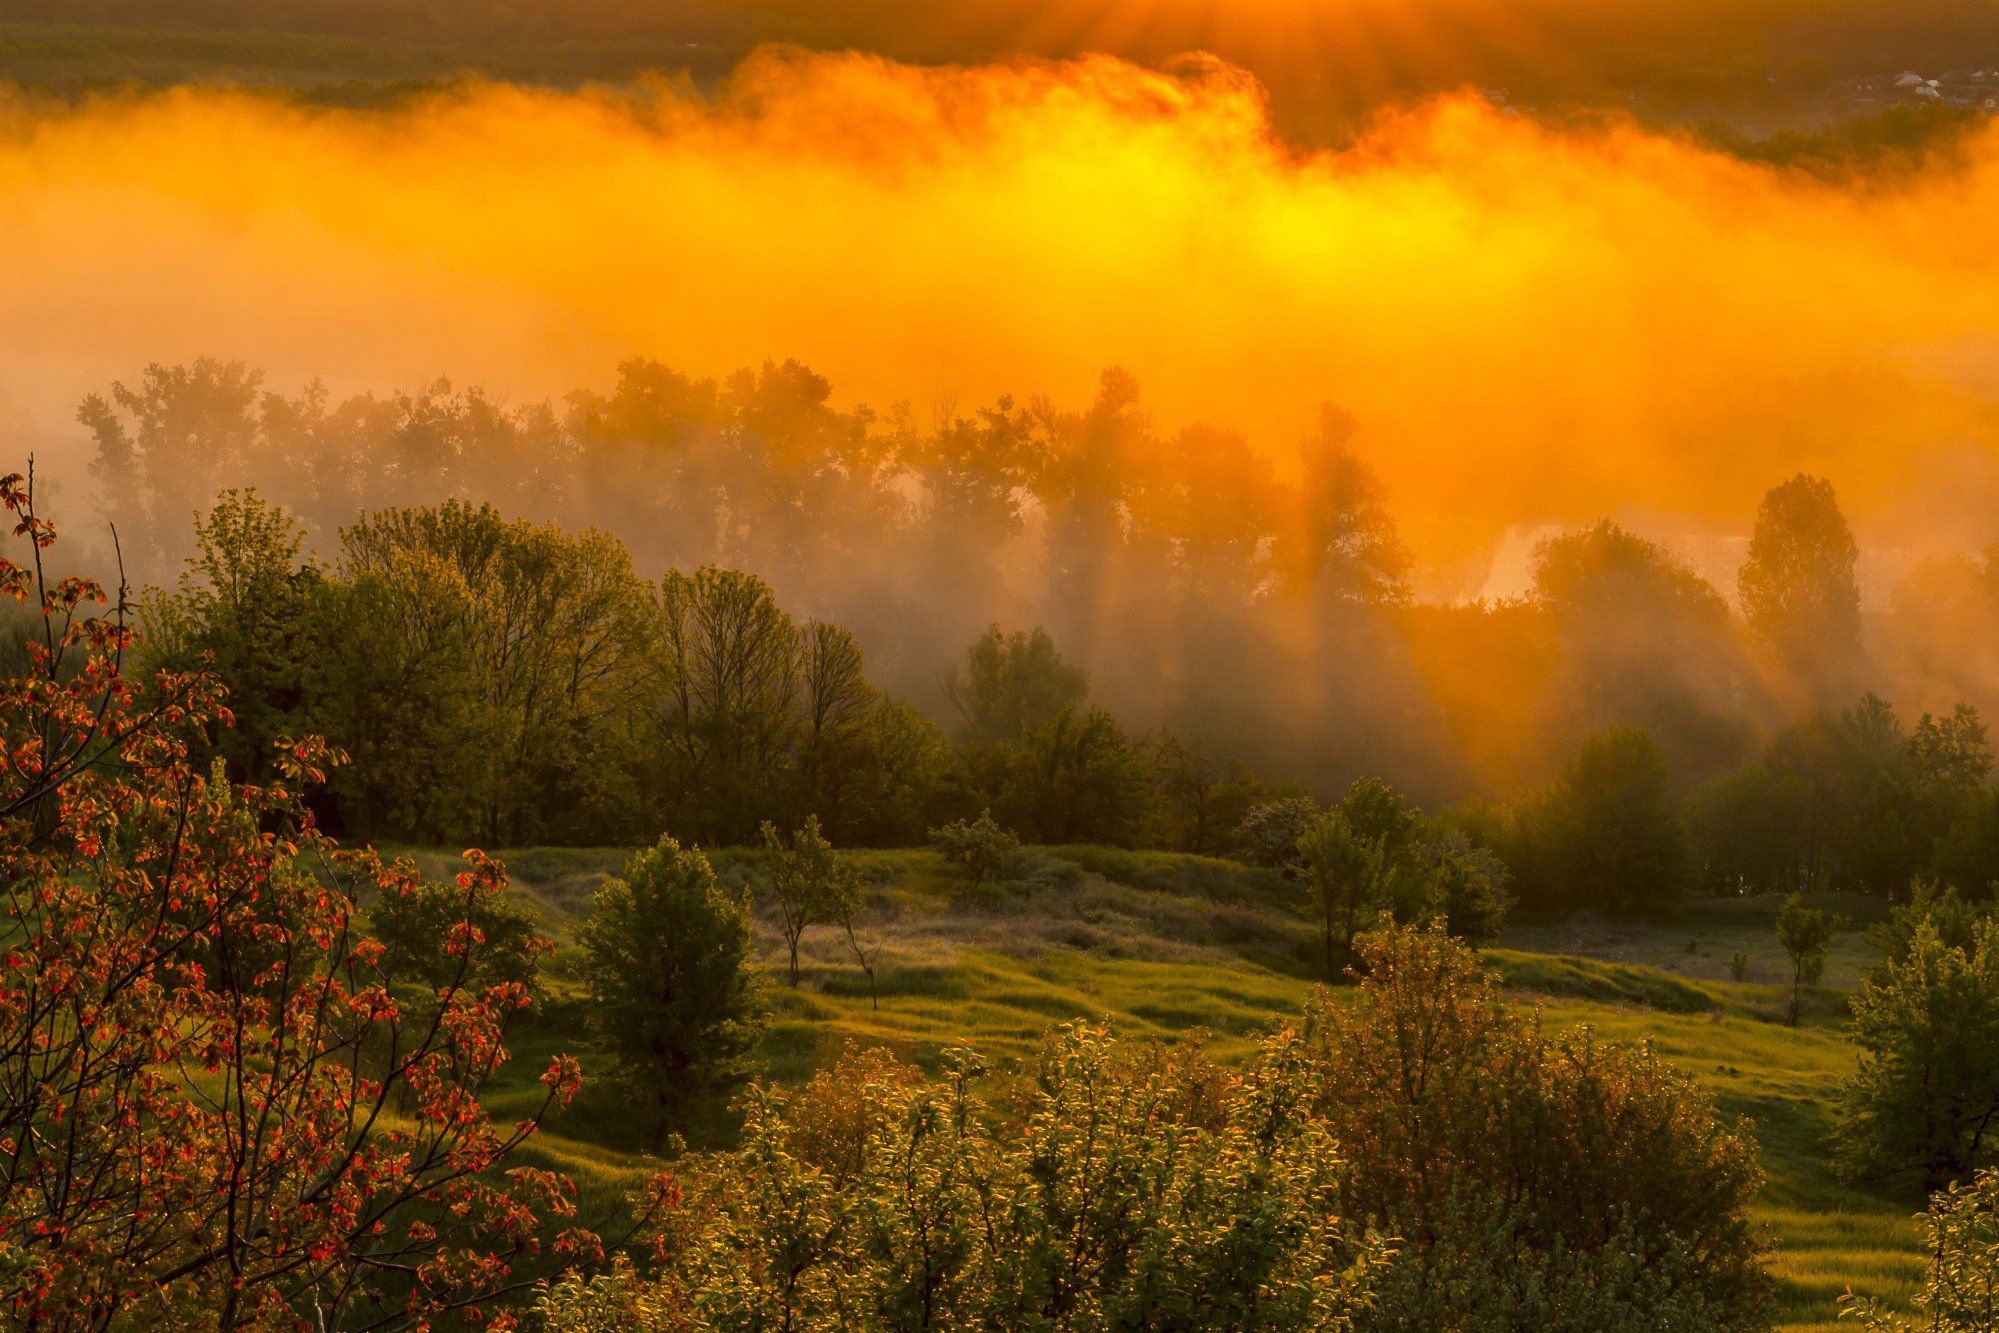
[506, 681]
[1741, 55]
[499, 680]
[1847, 801]
[1265, 617]
[915, 537]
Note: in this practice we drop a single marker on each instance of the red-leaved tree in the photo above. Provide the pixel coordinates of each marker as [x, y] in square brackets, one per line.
[214, 1110]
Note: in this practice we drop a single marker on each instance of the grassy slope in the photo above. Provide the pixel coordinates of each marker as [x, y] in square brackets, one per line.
[1164, 945]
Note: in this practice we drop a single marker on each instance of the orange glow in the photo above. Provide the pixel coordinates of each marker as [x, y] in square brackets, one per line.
[1529, 322]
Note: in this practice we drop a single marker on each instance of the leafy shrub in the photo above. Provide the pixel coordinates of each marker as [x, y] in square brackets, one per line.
[1125, 1187]
[1960, 1292]
[1535, 1181]
[1954, 919]
[1927, 1087]
[979, 847]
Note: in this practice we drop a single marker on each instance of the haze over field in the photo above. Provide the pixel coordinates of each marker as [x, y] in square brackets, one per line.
[1531, 323]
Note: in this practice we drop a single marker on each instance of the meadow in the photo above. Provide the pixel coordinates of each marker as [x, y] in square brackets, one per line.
[1180, 947]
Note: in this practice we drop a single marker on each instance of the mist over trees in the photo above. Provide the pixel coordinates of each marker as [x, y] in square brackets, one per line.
[697, 605]
[1797, 586]
[1264, 618]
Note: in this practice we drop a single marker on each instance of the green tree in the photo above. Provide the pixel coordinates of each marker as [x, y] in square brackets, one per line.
[245, 610]
[1640, 638]
[1202, 803]
[1949, 758]
[1612, 828]
[1806, 933]
[1798, 587]
[540, 623]
[667, 963]
[1379, 814]
[1375, 857]
[1345, 548]
[1470, 885]
[1011, 684]
[1967, 856]
[1746, 828]
[745, 712]
[163, 444]
[1352, 880]
[1921, 1105]
[393, 681]
[1877, 834]
[810, 883]
[1078, 778]
[1270, 832]
[722, 705]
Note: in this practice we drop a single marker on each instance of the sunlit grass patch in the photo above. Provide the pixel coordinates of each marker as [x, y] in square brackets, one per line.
[1167, 947]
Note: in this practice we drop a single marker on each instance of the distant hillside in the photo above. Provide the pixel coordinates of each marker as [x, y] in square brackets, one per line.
[1325, 61]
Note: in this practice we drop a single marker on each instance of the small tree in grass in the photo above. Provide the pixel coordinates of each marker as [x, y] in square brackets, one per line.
[1806, 934]
[979, 847]
[1924, 1101]
[1353, 880]
[866, 948]
[666, 961]
[810, 883]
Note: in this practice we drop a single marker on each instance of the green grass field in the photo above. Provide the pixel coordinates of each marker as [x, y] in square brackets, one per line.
[1166, 945]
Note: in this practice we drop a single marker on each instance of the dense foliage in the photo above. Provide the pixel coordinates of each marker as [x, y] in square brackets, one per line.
[1960, 1292]
[1922, 1104]
[1534, 1181]
[1529, 1183]
[1122, 1187]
